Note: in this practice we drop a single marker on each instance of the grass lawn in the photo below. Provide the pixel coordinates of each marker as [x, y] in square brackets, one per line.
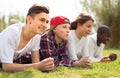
[97, 70]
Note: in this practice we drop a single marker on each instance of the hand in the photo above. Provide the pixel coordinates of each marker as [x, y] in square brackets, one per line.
[47, 64]
[85, 61]
[105, 59]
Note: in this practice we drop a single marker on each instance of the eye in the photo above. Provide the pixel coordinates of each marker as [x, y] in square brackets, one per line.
[47, 21]
[66, 27]
[44, 20]
[89, 26]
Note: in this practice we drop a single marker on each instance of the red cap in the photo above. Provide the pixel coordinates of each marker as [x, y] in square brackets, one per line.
[58, 20]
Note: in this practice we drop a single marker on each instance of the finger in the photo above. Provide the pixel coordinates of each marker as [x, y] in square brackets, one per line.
[88, 64]
[50, 67]
[48, 60]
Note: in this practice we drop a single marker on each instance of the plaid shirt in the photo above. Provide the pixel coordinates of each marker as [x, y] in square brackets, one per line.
[49, 48]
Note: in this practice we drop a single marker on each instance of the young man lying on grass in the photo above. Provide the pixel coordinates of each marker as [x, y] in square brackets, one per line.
[97, 42]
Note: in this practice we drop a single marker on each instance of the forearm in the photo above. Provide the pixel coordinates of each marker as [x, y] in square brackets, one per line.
[82, 62]
[18, 67]
[35, 56]
[76, 63]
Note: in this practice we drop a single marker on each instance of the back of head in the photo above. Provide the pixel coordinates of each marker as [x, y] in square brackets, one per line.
[81, 19]
[36, 9]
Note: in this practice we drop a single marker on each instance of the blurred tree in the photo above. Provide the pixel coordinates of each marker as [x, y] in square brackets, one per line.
[14, 18]
[3, 24]
[10, 19]
[106, 12]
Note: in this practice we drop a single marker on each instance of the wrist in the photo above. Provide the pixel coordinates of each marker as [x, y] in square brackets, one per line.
[37, 65]
[76, 63]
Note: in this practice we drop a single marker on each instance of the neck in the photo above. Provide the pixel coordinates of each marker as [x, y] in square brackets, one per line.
[27, 34]
[58, 40]
[98, 42]
[78, 34]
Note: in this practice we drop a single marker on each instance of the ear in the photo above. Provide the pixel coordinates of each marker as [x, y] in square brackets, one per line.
[29, 19]
[79, 25]
[54, 30]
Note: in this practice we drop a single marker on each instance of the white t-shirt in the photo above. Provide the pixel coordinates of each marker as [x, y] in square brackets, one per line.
[94, 50]
[9, 42]
[77, 48]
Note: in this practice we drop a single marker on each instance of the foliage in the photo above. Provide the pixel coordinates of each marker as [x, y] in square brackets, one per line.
[10, 19]
[106, 12]
[97, 70]
[2, 23]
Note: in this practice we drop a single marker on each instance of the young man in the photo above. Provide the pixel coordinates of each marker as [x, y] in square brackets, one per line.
[97, 43]
[19, 38]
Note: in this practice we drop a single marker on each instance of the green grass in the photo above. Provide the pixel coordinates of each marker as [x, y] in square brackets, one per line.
[97, 70]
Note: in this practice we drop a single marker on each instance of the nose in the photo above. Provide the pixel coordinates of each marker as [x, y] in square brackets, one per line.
[89, 30]
[45, 24]
[68, 30]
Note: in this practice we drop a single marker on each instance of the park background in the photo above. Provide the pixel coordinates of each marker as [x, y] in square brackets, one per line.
[105, 12]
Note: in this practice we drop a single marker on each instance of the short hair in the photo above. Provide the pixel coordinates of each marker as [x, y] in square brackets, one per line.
[36, 9]
[103, 29]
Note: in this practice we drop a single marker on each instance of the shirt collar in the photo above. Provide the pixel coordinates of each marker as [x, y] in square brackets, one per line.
[52, 37]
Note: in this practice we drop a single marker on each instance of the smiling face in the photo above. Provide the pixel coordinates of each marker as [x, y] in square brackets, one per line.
[103, 34]
[104, 38]
[39, 23]
[85, 29]
[61, 32]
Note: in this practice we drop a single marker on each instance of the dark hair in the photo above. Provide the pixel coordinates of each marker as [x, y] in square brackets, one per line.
[36, 9]
[103, 29]
[81, 19]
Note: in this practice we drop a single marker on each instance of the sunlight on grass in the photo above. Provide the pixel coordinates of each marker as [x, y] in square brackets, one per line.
[97, 70]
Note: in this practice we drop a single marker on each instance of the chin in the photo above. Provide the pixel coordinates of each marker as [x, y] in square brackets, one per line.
[84, 35]
[104, 43]
[40, 33]
[65, 38]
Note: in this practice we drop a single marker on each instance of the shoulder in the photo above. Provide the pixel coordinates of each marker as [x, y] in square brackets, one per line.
[71, 34]
[45, 35]
[16, 26]
[13, 28]
[93, 36]
[92, 39]
[12, 31]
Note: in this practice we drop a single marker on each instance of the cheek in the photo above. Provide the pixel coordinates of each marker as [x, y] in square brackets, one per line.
[85, 29]
[61, 33]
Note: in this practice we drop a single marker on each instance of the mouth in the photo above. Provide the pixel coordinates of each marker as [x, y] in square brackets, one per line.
[41, 29]
[67, 35]
[88, 33]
